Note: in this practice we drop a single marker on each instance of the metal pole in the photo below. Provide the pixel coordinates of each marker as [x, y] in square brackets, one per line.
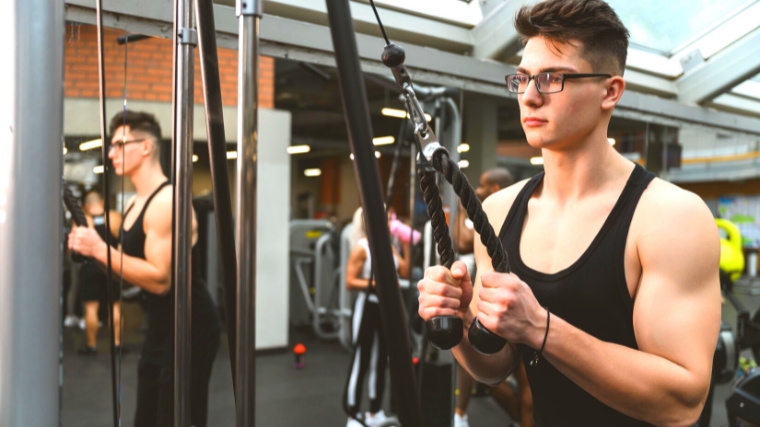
[185, 39]
[31, 135]
[356, 110]
[249, 12]
[217, 151]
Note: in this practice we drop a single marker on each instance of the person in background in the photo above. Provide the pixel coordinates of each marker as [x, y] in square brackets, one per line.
[370, 356]
[93, 282]
[518, 405]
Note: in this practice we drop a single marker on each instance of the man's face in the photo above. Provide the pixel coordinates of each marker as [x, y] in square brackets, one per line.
[559, 120]
[129, 149]
[485, 188]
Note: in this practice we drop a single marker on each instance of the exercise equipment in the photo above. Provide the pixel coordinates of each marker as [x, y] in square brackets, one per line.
[731, 254]
[445, 331]
[356, 110]
[743, 406]
[313, 276]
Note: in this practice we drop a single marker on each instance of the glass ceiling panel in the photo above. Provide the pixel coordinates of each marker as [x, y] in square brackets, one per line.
[664, 25]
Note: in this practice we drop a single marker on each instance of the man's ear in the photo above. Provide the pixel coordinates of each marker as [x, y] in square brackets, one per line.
[614, 90]
[146, 147]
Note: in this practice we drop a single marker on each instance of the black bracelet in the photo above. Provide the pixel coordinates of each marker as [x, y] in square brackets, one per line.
[537, 354]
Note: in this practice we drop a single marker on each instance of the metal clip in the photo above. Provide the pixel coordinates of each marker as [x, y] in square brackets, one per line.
[188, 36]
[249, 8]
[416, 114]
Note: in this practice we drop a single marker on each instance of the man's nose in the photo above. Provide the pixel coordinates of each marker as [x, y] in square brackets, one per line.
[532, 97]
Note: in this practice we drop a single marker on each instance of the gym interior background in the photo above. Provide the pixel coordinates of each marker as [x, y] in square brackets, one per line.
[691, 114]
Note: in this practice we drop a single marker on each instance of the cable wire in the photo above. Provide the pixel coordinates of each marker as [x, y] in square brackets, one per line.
[382, 28]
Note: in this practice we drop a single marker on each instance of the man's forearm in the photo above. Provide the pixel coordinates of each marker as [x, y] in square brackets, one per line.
[491, 369]
[136, 271]
[641, 385]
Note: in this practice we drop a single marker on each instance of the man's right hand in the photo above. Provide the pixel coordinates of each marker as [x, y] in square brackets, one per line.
[445, 292]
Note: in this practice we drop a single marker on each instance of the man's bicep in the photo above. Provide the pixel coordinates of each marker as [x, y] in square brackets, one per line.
[677, 306]
[158, 243]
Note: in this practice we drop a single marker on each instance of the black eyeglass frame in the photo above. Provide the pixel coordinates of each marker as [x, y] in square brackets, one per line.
[564, 77]
[120, 144]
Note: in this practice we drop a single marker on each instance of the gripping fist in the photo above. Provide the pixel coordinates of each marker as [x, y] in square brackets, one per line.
[85, 241]
[508, 308]
[445, 292]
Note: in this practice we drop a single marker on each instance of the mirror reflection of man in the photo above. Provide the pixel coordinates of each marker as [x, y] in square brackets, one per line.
[613, 301]
[147, 259]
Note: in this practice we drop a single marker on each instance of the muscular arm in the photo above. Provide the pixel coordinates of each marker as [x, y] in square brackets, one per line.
[676, 320]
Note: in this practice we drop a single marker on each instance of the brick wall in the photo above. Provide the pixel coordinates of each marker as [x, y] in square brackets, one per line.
[149, 69]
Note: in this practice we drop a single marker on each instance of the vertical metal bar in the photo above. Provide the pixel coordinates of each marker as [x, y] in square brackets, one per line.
[356, 110]
[185, 39]
[106, 204]
[249, 12]
[217, 151]
[31, 133]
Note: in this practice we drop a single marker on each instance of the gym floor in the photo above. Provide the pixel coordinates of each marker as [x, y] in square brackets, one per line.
[284, 397]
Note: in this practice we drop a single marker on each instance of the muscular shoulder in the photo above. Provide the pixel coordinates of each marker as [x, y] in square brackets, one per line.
[158, 215]
[670, 217]
[497, 205]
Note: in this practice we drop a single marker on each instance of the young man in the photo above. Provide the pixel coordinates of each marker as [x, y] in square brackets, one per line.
[518, 405]
[614, 299]
[147, 246]
[92, 279]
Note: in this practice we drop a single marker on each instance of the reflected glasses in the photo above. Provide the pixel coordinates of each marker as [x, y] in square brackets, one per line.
[119, 145]
[545, 82]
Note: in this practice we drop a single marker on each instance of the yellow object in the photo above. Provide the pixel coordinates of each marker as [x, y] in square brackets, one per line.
[731, 254]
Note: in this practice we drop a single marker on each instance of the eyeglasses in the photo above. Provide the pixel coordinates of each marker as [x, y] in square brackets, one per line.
[545, 82]
[119, 145]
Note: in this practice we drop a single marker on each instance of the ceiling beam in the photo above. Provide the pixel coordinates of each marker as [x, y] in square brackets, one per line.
[301, 41]
[724, 70]
[496, 37]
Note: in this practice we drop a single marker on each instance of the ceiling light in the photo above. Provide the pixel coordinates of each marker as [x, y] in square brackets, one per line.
[97, 169]
[351, 156]
[298, 149]
[463, 147]
[91, 145]
[401, 114]
[312, 172]
[536, 160]
[383, 140]
[195, 158]
[611, 141]
[377, 154]
[65, 150]
[463, 164]
[231, 155]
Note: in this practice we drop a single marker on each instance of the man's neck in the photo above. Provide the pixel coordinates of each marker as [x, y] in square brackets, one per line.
[147, 178]
[574, 174]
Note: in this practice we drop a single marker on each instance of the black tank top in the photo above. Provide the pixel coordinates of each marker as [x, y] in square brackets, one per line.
[591, 294]
[159, 340]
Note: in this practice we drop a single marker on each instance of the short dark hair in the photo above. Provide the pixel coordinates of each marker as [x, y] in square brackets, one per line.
[136, 120]
[591, 22]
[499, 176]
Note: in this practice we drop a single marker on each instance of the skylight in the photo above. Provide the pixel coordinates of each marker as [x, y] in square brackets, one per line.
[666, 26]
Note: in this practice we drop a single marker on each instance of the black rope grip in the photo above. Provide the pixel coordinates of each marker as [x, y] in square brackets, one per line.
[446, 332]
[77, 216]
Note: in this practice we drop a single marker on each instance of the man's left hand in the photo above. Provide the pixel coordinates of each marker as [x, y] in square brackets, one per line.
[86, 241]
[508, 308]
